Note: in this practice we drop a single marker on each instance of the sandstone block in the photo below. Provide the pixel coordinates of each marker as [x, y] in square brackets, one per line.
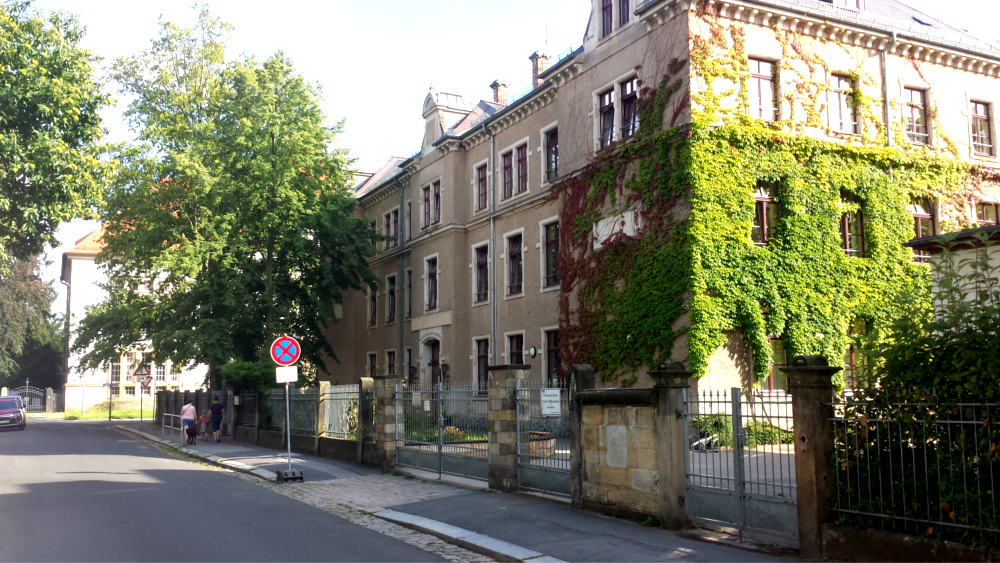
[644, 480]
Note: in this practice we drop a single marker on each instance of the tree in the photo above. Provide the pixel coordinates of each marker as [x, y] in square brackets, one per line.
[24, 313]
[50, 129]
[233, 223]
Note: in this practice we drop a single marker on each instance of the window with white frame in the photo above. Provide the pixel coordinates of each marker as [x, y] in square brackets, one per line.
[372, 364]
[843, 115]
[390, 299]
[552, 377]
[115, 391]
[522, 168]
[515, 265]
[431, 267]
[982, 128]
[515, 348]
[116, 370]
[426, 193]
[606, 117]
[437, 202]
[482, 362]
[390, 362]
[481, 270]
[481, 192]
[550, 253]
[507, 173]
[761, 89]
[915, 115]
[391, 228]
[552, 154]
[630, 107]
[130, 391]
[372, 306]
[409, 293]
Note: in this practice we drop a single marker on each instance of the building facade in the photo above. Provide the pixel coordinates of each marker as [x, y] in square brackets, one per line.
[724, 183]
[83, 279]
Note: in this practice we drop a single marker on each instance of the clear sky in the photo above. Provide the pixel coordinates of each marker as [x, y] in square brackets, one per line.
[376, 60]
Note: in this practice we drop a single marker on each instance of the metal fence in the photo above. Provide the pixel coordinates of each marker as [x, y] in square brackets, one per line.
[740, 461]
[246, 411]
[443, 428]
[340, 404]
[303, 403]
[919, 469]
[543, 437]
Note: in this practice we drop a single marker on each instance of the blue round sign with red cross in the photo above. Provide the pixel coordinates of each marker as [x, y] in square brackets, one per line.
[285, 350]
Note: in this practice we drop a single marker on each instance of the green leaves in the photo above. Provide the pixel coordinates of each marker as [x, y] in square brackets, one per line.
[233, 223]
[51, 166]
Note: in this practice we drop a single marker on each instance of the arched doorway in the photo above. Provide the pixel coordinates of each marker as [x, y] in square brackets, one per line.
[435, 362]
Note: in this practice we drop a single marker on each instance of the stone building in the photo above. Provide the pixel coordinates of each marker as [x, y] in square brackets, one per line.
[777, 153]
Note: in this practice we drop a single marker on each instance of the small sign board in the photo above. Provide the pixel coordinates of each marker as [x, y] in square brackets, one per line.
[427, 405]
[285, 350]
[415, 397]
[551, 405]
[287, 374]
[145, 380]
[112, 384]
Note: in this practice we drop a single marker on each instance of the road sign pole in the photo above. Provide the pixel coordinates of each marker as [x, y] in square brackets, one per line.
[140, 408]
[288, 425]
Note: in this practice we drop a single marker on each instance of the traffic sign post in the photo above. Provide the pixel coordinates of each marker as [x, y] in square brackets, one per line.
[141, 374]
[285, 351]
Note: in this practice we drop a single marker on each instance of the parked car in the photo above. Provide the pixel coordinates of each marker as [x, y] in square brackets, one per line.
[12, 413]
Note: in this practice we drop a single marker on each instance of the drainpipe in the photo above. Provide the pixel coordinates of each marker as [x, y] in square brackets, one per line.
[400, 283]
[885, 89]
[493, 250]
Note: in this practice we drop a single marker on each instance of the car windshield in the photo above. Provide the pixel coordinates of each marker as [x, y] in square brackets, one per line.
[8, 404]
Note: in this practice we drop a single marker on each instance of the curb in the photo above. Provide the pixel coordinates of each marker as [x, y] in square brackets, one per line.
[476, 543]
[207, 458]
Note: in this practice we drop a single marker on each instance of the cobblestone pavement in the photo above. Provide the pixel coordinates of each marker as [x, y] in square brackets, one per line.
[355, 499]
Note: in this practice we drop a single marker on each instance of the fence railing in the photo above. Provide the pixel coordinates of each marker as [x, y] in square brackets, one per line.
[303, 404]
[543, 436]
[919, 469]
[340, 404]
[449, 417]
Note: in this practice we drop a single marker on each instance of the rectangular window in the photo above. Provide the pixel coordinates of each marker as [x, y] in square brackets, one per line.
[372, 306]
[481, 188]
[116, 371]
[761, 90]
[986, 215]
[623, 13]
[522, 168]
[409, 293]
[840, 99]
[852, 230]
[982, 132]
[915, 115]
[516, 345]
[606, 18]
[146, 390]
[390, 363]
[551, 254]
[482, 274]
[552, 360]
[515, 269]
[387, 222]
[765, 220]
[507, 164]
[432, 284]
[372, 364]
[411, 373]
[115, 391]
[173, 376]
[409, 221]
[437, 202]
[630, 105]
[161, 372]
[427, 207]
[482, 362]
[552, 154]
[130, 391]
[923, 226]
[607, 117]
[395, 227]
[390, 301]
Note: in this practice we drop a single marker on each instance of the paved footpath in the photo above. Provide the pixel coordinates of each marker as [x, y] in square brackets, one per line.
[421, 512]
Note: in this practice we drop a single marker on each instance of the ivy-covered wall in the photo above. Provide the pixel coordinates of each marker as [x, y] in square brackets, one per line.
[692, 277]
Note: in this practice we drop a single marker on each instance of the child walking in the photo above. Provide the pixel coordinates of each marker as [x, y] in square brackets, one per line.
[203, 425]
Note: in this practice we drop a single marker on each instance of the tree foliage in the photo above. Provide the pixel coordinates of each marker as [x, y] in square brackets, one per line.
[232, 223]
[50, 128]
[24, 313]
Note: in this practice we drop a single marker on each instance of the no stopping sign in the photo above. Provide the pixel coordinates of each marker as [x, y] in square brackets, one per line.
[285, 350]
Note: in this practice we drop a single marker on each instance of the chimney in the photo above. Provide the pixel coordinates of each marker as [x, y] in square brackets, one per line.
[499, 92]
[539, 63]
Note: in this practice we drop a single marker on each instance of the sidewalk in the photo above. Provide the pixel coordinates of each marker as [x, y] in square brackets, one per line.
[507, 527]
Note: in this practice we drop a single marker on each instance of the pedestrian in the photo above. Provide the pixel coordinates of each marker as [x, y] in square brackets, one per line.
[203, 425]
[217, 410]
[188, 416]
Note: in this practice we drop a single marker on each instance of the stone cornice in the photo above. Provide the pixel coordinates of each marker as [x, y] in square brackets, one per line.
[501, 120]
[662, 13]
[400, 180]
[823, 26]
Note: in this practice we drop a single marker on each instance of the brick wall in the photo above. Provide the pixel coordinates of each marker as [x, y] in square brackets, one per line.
[620, 457]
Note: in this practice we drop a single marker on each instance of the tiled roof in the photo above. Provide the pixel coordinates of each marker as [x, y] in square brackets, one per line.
[481, 112]
[388, 170]
[90, 244]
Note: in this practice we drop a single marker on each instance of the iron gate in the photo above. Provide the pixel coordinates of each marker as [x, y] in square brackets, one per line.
[33, 397]
[542, 438]
[740, 462]
[443, 428]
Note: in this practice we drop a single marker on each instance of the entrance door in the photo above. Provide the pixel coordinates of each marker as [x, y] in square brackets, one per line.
[435, 362]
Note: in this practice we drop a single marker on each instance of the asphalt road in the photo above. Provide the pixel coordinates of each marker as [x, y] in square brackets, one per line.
[82, 491]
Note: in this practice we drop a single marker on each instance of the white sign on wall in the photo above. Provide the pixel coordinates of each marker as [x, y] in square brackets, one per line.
[427, 405]
[551, 405]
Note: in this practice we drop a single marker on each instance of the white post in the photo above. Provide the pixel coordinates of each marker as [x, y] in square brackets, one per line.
[288, 425]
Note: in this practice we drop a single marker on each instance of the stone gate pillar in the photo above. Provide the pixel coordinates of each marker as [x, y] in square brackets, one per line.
[385, 418]
[671, 378]
[810, 382]
[582, 377]
[502, 425]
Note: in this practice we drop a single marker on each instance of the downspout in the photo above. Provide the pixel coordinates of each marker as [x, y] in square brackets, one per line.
[885, 89]
[493, 250]
[400, 284]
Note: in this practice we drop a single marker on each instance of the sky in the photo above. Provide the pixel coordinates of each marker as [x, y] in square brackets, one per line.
[376, 60]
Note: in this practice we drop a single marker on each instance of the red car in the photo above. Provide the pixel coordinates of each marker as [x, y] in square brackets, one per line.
[12, 414]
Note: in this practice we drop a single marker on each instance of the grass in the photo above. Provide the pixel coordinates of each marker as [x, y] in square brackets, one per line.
[123, 414]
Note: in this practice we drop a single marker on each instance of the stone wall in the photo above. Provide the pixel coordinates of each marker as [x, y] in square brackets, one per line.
[620, 458]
